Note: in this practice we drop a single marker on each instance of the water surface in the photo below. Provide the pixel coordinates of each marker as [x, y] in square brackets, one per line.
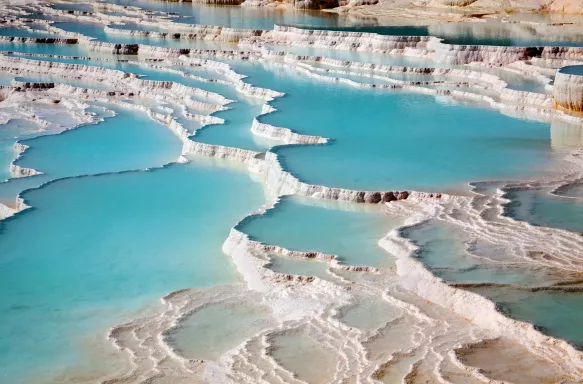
[386, 140]
[541, 208]
[115, 243]
[299, 224]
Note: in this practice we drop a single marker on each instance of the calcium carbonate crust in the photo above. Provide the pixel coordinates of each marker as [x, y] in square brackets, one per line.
[144, 339]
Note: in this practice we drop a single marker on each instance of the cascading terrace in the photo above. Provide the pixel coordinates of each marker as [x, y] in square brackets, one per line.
[403, 320]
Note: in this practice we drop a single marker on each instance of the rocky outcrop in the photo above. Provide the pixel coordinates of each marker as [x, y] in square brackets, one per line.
[17, 171]
[565, 6]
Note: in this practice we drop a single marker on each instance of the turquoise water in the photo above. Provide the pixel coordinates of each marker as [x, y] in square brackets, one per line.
[236, 131]
[298, 224]
[538, 207]
[380, 139]
[129, 141]
[126, 142]
[115, 243]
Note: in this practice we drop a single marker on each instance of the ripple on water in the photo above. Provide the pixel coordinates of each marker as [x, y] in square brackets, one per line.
[370, 312]
[506, 361]
[212, 330]
[315, 364]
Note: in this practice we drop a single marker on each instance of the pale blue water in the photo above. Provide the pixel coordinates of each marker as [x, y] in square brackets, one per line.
[126, 142]
[395, 140]
[115, 243]
[130, 141]
[572, 70]
[300, 267]
[6, 79]
[437, 250]
[236, 131]
[136, 27]
[444, 253]
[558, 314]
[538, 207]
[213, 330]
[297, 224]
[455, 256]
